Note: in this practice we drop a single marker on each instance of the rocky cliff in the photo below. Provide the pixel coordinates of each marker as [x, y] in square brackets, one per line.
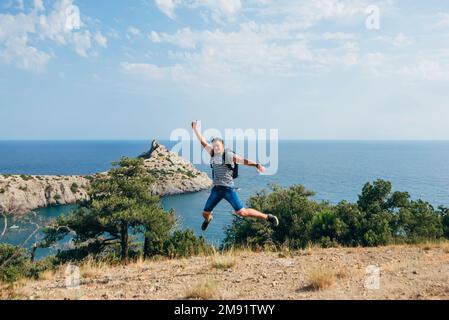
[173, 174]
[20, 194]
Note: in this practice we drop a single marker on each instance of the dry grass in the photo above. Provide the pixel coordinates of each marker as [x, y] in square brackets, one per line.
[240, 251]
[10, 291]
[343, 272]
[203, 291]
[141, 262]
[92, 269]
[437, 244]
[223, 262]
[394, 266]
[285, 252]
[321, 278]
[47, 275]
[310, 249]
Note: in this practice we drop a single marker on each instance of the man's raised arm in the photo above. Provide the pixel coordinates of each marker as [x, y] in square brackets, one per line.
[200, 137]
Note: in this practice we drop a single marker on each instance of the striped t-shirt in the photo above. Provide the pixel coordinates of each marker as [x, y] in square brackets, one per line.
[222, 174]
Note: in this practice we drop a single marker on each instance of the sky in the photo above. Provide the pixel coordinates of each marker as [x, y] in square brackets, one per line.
[139, 69]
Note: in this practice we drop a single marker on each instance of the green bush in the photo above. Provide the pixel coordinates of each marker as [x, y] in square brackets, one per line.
[419, 221]
[379, 217]
[15, 264]
[328, 229]
[74, 187]
[26, 177]
[184, 243]
[444, 214]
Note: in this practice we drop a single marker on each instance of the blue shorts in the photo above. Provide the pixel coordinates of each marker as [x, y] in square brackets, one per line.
[219, 193]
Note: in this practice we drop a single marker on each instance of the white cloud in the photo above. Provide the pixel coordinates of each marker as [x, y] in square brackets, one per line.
[175, 73]
[216, 8]
[308, 13]
[82, 43]
[24, 56]
[132, 32]
[443, 20]
[39, 5]
[399, 41]
[426, 70]
[256, 49]
[101, 40]
[183, 38]
[154, 37]
[167, 7]
[61, 24]
[282, 40]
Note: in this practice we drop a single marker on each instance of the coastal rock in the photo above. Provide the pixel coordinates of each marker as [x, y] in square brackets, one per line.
[20, 194]
[173, 174]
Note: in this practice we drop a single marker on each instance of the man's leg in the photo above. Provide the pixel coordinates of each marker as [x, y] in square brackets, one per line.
[248, 212]
[214, 198]
[207, 215]
[232, 197]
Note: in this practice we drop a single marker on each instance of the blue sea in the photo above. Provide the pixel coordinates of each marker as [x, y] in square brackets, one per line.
[335, 170]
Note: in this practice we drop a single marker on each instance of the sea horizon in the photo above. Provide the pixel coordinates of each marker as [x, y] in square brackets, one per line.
[303, 140]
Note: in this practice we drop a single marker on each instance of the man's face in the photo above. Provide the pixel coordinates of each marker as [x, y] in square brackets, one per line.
[218, 146]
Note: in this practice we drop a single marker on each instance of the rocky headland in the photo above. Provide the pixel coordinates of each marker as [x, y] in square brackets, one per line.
[20, 194]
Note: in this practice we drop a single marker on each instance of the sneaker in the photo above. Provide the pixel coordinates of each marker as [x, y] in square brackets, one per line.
[273, 220]
[206, 223]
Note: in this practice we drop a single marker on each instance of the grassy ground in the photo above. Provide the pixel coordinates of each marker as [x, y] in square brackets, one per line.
[405, 272]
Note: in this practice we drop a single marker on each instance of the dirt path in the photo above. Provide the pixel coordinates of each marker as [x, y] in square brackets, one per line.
[406, 272]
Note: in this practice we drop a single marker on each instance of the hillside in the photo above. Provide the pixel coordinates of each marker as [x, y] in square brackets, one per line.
[407, 272]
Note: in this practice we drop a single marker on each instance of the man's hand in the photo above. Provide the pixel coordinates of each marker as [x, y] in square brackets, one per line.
[260, 168]
[194, 124]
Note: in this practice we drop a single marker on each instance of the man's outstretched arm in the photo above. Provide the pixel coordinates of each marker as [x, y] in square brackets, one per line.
[249, 163]
[200, 137]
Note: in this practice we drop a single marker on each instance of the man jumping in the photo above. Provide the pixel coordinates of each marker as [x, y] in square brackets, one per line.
[223, 179]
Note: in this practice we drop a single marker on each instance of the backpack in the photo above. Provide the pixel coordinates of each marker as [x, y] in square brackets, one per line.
[234, 168]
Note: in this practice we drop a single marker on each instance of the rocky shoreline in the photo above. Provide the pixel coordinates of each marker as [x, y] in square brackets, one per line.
[20, 194]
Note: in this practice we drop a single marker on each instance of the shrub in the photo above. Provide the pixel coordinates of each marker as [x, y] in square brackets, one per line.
[74, 187]
[379, 217]
[328, 229]
[15, 264]
[444, 214]
[26, 177]
[184, 243]
[419, 221]
[295, 211]
[204, 290]
[321, 278]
